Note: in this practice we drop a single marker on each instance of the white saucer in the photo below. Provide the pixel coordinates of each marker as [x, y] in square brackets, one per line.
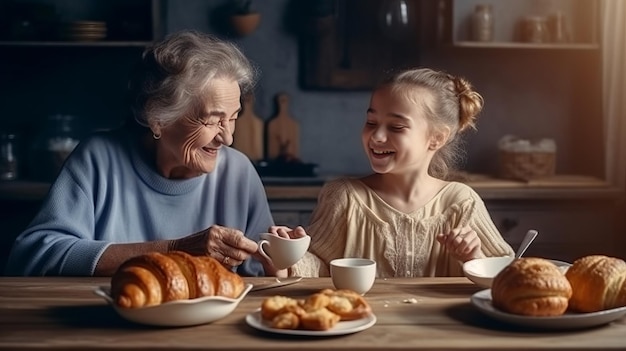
[255, 320]
[569, 320]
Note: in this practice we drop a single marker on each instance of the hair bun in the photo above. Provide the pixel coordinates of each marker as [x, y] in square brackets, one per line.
[470, 103]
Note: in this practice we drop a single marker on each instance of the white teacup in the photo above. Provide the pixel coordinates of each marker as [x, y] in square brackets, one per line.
[283, 252]
[356, 274]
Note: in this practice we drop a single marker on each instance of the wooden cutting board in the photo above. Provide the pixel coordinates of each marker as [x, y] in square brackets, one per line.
[283, 132]
[248, 136]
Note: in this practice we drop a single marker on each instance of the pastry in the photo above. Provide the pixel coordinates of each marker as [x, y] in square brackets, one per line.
[319, 319]
[272, 306]
[319, 311]
[532, 287]
[286, 320]
[155, 278]
[598, 283]
[347, 304]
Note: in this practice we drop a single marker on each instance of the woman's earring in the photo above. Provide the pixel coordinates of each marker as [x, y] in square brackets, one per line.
[156, 136]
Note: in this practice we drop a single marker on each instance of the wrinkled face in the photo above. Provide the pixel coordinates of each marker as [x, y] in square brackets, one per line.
[396, 136]
[190, 146]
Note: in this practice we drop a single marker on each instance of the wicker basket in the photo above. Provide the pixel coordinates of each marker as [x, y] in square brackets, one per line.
[527, 165]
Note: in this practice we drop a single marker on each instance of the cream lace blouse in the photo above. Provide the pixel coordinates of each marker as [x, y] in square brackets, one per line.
[351, 220]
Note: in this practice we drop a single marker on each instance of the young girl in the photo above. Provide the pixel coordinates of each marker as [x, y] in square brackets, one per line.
[405, 215]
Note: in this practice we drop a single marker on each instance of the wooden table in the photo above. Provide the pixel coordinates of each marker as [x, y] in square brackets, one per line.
[413, 314]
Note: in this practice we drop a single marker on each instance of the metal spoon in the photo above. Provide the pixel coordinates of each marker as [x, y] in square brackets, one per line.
[528, 239]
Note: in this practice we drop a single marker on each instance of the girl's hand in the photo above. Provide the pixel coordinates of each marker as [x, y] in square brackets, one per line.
[287, 232]
[269, 268]
[462, 243]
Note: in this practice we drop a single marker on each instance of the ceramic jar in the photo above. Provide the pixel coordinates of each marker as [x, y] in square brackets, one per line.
[52, 145]
[535, 29]
[558, 28]
[8, 156]
[482, 23]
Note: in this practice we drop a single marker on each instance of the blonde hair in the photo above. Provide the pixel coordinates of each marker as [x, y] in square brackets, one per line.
[455, 105]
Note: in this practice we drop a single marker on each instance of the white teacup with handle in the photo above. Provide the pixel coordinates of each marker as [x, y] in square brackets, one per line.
[356, 274]
[283, 252]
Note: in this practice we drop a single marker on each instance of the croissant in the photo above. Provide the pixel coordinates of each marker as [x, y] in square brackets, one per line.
[155, 278]
[532, 287]
[599, 283]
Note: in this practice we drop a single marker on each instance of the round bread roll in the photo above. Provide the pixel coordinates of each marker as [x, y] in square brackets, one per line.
[598, 283]
[532, 287]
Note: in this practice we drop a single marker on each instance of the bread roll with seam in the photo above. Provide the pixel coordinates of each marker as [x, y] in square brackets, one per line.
[154, 278]
[532, 287]
[598, 283]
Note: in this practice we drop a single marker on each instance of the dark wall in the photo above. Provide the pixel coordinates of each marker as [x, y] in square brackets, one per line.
[530, 93]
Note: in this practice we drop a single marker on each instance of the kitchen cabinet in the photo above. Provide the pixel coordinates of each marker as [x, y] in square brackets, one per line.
[292, 214]
[292, 205]
[580, 23]
[569, 226]
[348, 44]
[510, 74]
[48, 72]
[567, 229]
[84, 23]
[14, 217]
[573, 218]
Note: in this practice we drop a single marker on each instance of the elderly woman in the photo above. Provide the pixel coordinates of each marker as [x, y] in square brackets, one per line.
[165, 181]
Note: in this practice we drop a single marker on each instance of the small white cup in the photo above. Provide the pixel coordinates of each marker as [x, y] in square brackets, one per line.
[283, 252]
[356, 274]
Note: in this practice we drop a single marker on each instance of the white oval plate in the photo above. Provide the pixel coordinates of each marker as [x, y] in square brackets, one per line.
[178, 313]
[255, 320]
[569, 320]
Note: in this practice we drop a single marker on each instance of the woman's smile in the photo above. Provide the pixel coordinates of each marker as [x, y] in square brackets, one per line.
[211, 151]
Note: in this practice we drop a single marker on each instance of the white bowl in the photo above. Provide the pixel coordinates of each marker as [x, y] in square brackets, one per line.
[482, 270]
[178, 313]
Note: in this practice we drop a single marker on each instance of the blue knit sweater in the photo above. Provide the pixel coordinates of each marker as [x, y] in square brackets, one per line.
[107, 193]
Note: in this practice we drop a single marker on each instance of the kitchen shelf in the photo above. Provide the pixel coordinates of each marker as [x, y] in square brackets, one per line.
[519, 45]
[102, 43]
[581, 22]
[489, 188]
[53, 23]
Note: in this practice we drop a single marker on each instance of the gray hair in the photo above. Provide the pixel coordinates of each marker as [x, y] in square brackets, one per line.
[174, 74]
[455, 105]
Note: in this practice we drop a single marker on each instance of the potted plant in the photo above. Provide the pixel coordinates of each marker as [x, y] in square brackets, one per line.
[244, 20]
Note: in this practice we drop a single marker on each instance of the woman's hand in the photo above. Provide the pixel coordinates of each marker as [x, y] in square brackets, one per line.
[462, 243]
[227, 245]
